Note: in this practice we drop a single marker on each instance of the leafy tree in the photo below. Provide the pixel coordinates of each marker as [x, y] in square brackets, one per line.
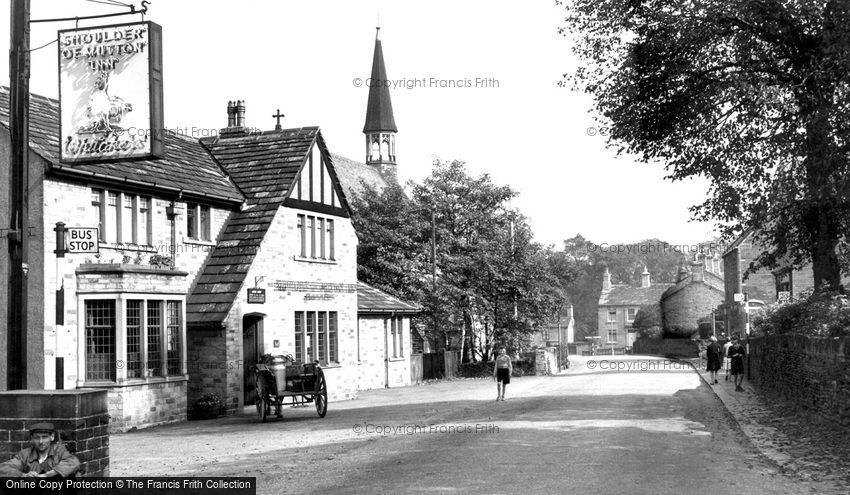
[752, 95]
[647, 316]
[391, 253]
[478, 278]
[492, 281]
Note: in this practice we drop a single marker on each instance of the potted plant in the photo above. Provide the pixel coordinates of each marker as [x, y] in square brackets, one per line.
[207, 407]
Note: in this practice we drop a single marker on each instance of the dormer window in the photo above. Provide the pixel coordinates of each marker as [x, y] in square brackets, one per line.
[198, 222]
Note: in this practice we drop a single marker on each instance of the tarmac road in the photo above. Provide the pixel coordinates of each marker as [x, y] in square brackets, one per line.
[659, 431]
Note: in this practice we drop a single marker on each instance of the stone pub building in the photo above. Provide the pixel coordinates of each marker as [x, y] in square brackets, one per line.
[162, 314]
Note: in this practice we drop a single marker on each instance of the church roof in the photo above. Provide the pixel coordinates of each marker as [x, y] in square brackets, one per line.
[375, 301]
[354, 176]
[185, 167]
[379, 109]
[264, 166]
[627, 295]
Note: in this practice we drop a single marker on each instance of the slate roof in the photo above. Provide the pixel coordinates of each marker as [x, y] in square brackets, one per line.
[711, 279]
[186, 166]
[264, 166]
[746, 234]
[379, 109]
[626, 295]
[375, 301]
[353, 175]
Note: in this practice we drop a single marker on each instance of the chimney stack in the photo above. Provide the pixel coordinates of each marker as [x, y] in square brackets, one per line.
[235, 120]
[644, 278]
[606, 279]
[697, 271]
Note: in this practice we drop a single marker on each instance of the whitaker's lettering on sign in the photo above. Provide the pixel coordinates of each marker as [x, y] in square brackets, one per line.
[256, 296]
[81, 240]
[110, 92]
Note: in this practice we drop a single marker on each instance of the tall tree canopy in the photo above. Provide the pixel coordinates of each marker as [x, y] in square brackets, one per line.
[486, 260]
[752, 95]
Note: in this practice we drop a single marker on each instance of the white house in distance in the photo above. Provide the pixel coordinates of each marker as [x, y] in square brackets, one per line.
[161, 314]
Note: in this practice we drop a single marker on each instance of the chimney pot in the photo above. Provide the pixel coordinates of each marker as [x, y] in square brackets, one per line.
[231, 114]
[606, 280]
[240, 113]
[644, 278]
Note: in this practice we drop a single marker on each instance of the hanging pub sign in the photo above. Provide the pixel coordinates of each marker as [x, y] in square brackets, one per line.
[256, 296]
[110, 92]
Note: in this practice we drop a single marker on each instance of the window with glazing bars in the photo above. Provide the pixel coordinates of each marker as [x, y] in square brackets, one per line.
[97, 196]
[299, 337]
[393, 332]
[311, 337]
[398, 330]
[205, 223]
[154, 365]
[332, 345]
[172, 340]
[134, 339]
[144, 222]
[323, 337]
[112, 216]
[191, 221]
[100, 340]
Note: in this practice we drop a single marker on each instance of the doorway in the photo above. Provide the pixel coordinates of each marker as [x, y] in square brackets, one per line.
[252, 349]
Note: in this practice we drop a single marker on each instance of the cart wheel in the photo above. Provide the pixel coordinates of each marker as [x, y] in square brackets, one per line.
[263, 405]
[321, 396]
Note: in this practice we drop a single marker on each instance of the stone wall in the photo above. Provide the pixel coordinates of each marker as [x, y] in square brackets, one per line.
[684, 308]
[79, 416]
[207, 365]
[666, 347]
[812, 373]
[546, 361]
[147, 404]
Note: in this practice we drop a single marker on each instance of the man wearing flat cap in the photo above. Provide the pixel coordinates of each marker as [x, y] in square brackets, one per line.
[44, 459]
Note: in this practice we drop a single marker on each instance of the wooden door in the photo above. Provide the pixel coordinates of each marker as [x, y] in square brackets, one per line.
[251, 352]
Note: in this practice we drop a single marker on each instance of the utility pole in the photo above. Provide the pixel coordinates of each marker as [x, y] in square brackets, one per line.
[434, 269]
[513, 253]
[18, 233]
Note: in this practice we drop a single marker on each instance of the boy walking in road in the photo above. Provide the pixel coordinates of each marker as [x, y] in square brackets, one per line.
[502, 372]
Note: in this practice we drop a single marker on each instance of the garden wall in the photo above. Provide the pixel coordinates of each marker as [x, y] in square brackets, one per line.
[812, 373]
[666, 347]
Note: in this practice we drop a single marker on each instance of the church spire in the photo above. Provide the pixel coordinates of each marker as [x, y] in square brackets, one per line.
[379, 110]
[380, 126]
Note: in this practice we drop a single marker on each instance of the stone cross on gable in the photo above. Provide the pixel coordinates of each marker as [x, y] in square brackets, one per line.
[278, 116]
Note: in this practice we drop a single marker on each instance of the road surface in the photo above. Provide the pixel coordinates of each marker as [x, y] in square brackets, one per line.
[659, 431]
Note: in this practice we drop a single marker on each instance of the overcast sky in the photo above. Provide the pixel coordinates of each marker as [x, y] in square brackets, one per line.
[303, 57]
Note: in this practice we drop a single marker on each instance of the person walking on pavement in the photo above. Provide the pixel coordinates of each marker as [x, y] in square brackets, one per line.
[726, 360]
[712, 364]
[736, 356]
[502, 372]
